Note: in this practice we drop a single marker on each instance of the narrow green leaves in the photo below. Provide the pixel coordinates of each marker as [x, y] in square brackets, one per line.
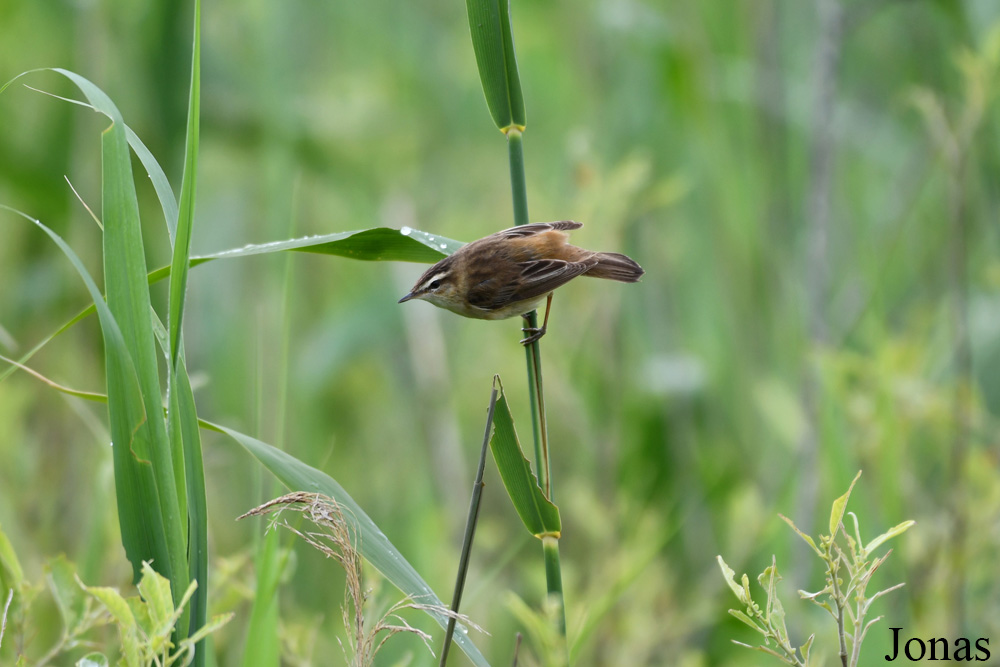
[128, 299]
[367, 537]
[493, 42]
[539, 515]
[896, 530]
[379, 244]
[145, 624]
[182, 416]
[138, 502]
[153, 528]
[182, 242]
[839, 506]
[376, 244]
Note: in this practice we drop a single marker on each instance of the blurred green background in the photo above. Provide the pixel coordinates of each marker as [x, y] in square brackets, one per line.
[813, 196]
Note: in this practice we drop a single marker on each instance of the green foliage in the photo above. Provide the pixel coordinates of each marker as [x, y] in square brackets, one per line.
[538, 514]
[365, 536]
[850, 565]
[681, 134]
[146, 622]
[493, 43]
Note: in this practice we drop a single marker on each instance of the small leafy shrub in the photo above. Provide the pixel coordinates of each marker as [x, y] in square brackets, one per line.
[850, 566]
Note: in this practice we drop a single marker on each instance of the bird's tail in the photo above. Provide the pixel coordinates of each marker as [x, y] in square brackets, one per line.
[615, 266]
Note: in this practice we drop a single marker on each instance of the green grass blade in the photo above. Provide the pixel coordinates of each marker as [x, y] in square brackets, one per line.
[138, 503]
[263, 646]
[539, 515]
[493, 43]
[370, 541]
[128, 299]
[26, 357]
[159, 180]
[185, 220]
[197, 500]
[184, 432]
[182, 418]
[379, 244]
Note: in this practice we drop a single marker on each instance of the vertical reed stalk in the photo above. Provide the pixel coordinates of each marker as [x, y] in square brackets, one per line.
[536, 393]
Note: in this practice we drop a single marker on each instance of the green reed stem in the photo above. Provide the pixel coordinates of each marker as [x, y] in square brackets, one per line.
[470, 528]
[536, 394]
[519, 194]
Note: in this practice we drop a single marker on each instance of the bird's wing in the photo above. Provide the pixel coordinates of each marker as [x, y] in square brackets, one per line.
[522, 231]
[537, 278]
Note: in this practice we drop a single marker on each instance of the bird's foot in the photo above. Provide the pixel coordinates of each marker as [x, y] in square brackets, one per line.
[535, 334]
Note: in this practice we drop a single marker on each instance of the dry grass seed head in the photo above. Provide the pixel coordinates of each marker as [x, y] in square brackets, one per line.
[337, 538]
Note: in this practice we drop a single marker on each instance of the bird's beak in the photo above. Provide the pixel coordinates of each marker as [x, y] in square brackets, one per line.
[406, 298]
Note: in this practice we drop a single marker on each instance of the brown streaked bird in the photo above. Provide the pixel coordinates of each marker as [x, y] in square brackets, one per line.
[509, 273]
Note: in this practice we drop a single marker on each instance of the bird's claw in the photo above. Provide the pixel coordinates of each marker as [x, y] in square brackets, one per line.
[536, 333]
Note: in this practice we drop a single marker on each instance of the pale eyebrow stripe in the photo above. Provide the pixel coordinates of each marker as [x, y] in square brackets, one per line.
[436, 276]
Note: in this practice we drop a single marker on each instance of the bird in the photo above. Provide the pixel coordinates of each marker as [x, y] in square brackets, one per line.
[511, 272]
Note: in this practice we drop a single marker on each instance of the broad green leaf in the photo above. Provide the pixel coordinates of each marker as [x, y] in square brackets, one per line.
[155, 591]
[538, 514]
[182, 417]
[128, 300]
[368, 538]
[493, 43]
[376, 244]
[115, 604]
[839, 506]
[142, 531]
[888, 535]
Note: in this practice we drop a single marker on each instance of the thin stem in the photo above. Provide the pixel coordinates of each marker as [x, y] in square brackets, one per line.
[839, 602]
[553, 581]
[518, 186]
[470, 529]
[550, 545]
[519, 194]
[535, 364]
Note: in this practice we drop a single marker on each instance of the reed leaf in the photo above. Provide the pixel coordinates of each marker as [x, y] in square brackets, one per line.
[493, 43]
[368, 539]
[539, 516]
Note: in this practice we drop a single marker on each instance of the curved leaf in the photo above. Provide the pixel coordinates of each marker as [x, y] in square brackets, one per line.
[537, 513]
[370, 541]
[493, 43]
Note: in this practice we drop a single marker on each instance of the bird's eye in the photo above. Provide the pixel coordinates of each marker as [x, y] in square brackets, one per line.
[435, 284]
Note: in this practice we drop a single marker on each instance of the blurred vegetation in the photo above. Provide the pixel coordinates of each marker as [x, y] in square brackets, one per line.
[821, 296]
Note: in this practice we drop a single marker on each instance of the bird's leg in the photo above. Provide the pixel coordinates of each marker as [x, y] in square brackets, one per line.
[537, 332]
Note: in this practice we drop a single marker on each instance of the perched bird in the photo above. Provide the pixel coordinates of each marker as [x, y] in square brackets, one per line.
[509, 273]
